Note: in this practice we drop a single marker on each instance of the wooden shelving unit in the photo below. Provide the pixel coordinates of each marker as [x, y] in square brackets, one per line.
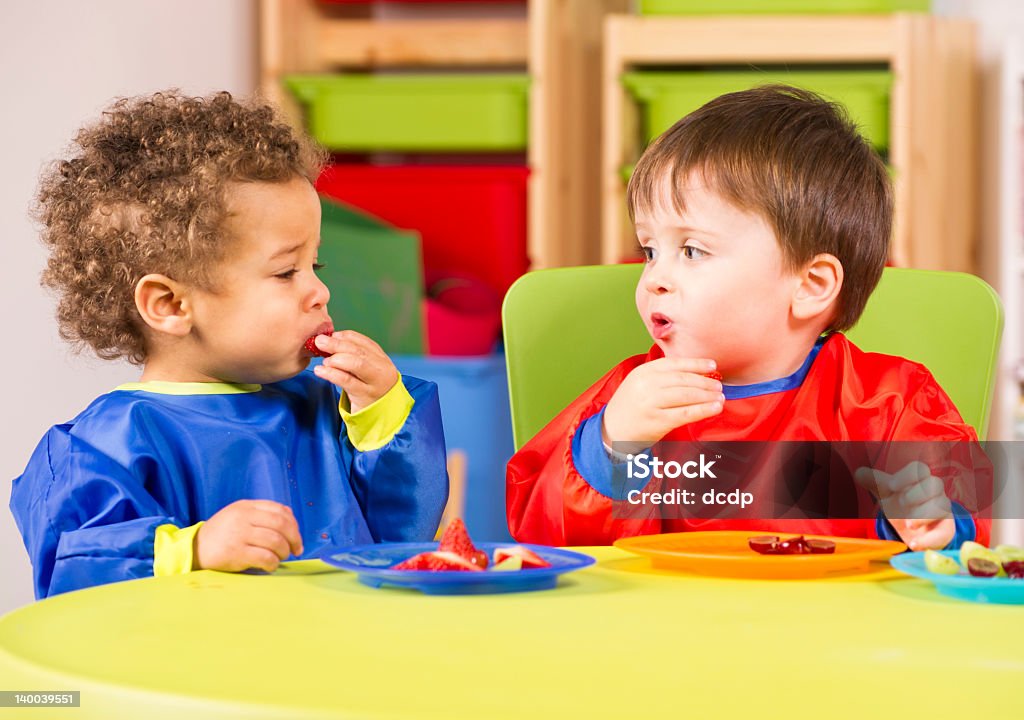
[932, 112]
[558, 42]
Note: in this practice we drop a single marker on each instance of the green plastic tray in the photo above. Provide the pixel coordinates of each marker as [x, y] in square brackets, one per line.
[668, 96]
[375, 274]
[415, 112]
[764, 7]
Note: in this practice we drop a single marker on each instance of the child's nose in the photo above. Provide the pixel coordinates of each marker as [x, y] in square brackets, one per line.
[658, 280]
[321, 293]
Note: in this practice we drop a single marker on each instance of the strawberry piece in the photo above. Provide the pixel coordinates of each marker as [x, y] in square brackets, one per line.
[312, 349]
[438, 560]
[456, 539]
[529, 557]
[511, 563]
[714, 375]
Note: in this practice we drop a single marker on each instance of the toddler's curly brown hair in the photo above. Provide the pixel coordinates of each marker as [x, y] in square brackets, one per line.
[145, 191]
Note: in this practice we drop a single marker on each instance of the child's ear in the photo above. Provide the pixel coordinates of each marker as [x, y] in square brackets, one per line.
[818, 289]
[162, 304]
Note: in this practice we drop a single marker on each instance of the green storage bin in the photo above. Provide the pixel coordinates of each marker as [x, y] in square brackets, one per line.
[415, 112]
[766, 7]
[668, 96]
[375, 275]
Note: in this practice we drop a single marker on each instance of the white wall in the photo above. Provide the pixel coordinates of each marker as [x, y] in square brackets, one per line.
[61, 62]
[1000, 23]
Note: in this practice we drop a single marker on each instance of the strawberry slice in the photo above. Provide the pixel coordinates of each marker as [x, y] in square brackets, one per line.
[714, 375]
[456, 539]
[512, 562]
[529, 557]
[438, 560]
[312, 349]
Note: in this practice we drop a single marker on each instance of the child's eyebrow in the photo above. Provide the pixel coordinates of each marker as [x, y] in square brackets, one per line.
[683, 229]
[287, 251]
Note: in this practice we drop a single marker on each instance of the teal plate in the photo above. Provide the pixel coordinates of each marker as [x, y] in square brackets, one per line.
[1002, 591]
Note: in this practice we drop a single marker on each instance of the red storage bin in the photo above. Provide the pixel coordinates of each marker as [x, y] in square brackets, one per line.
[463, 316]
[472, 219]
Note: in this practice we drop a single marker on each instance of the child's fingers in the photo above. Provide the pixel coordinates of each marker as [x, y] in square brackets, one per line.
[270, 540]
[686, 379]
[678, 397]
[911, 474]
[882, 484]
[874, 481]
[283, 525]
[936, 508]
[354, 363]
[693, 413]
[269, 506]
[922, 493]
[373, 370]
[345, 380]
[934, 536]
[697, 366]
[260, 558]
[348, 341]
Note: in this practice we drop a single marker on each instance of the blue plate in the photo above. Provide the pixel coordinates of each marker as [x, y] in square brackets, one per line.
[372, 564]
[964, 586]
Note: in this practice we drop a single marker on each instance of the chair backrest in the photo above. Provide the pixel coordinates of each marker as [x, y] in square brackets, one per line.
[564, 328]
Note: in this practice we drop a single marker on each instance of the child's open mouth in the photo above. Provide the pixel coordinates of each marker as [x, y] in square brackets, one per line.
[310, 344]
[661, 326]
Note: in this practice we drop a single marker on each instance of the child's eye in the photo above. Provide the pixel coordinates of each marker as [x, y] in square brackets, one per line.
[693, 253]
[319, 266]
[287, 274]
[648, 252]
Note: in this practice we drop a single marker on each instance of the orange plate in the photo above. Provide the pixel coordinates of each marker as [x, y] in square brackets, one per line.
[726, 553]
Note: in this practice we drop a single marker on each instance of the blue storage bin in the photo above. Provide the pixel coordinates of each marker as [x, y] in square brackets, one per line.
[478, 423]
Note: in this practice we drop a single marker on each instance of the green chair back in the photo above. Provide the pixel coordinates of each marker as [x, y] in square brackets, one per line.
[565, 328]
[950, 322]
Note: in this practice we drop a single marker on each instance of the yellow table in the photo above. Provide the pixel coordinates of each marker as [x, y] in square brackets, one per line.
[615, 640]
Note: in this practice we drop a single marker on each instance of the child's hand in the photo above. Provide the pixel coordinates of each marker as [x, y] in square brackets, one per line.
[915, 503]
[247, 534]
[659, 396]
[358, 366]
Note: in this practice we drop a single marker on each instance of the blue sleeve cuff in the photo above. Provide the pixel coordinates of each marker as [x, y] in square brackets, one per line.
[965, 527]
[589, 457]
[593, 464]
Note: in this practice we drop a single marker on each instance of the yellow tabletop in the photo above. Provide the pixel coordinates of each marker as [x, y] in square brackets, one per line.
[618, 639]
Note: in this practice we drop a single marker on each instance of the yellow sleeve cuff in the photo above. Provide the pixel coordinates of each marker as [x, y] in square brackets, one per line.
[375, 425]
[172, 549]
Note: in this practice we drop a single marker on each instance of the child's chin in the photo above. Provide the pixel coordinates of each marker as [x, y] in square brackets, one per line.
[668, 349]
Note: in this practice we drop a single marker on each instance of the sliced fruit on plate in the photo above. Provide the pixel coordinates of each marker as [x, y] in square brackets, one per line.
[512, 562]
[529, 558]
[1014, 569]
[940, 564]
[821, 547]
[437, 560]
[793, 546]
[971, 550]
[980, 567]
[456, 540]
[1009, 553]
[764, 544]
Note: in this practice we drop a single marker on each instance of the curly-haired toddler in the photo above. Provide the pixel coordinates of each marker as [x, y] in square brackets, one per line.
[183, 235]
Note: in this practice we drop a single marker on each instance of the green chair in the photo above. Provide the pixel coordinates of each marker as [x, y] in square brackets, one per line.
[565, 328]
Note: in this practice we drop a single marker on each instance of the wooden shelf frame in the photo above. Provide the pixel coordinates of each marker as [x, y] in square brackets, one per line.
[933, 110]
[558, 44]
